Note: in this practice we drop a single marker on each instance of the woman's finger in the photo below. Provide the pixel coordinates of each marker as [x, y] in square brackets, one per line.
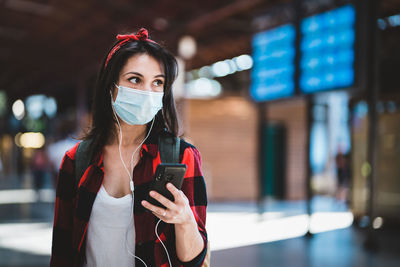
[175, 192]
[155, 209]
[158, 216]
[163, 200]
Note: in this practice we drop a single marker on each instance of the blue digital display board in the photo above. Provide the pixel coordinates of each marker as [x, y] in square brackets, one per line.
[327, 50]
[274, 63]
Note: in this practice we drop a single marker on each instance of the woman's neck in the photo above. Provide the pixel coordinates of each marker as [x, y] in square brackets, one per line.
[131, 134]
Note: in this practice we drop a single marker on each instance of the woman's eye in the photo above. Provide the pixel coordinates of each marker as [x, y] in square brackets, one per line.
[158, 83]
[134, 80]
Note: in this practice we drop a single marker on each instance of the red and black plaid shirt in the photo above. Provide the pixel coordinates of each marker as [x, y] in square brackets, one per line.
[73, 207]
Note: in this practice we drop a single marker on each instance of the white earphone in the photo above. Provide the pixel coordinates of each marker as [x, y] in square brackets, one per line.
[133, 188]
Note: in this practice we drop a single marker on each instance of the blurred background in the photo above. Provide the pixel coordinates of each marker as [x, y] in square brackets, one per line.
[294, 106]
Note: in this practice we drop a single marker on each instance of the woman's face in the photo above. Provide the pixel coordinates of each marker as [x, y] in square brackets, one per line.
[142, 72]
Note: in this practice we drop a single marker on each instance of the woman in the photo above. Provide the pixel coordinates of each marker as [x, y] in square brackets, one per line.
[93, 222]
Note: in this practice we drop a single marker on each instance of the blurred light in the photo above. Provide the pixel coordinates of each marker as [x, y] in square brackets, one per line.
[318, 147]
[21, 196]
[221, 68]
[187, 47]
[206, 72]
[32, 140]
[391, 21]
[221, 225]
[232, 66]
[203, 88]
[394, 20]
[50, 107]
[365, 169]
[34, 105]
[17, 139]
[381, 24]
[243, 62]
[18, 109]
[361, 109]
[377, 223]
[391, 107]
[363, 222]
[339, 133]
[3, 103]
[328, 221]
[29, 238]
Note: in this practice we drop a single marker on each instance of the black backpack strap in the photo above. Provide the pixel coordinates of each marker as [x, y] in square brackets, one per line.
[83, 157]
[169, 147]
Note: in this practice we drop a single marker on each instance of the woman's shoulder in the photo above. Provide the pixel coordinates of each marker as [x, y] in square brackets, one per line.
[189, 153]
[71, 152]
[185, 145]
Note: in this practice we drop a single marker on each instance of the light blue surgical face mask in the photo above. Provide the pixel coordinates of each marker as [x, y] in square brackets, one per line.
[136, 107]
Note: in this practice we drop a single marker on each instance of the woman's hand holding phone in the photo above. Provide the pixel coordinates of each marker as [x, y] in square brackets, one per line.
[176, 212]
[165, 200]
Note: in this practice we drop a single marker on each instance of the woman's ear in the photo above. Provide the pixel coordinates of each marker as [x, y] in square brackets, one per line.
[114, 92]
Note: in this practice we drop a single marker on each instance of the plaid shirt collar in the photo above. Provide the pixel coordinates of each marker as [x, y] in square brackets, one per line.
[149, 149]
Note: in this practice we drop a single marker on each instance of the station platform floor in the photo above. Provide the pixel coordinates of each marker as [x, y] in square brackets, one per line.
[240, 233]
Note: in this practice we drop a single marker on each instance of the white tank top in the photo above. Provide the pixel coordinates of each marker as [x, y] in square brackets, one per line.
[110, 232]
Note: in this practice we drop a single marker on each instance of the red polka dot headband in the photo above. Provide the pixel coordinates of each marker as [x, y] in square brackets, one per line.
[141, 35]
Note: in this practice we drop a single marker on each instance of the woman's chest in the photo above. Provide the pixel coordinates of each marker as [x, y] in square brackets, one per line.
[117, 174]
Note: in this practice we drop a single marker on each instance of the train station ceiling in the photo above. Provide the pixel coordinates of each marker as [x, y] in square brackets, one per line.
[53, 46]
[49, 44]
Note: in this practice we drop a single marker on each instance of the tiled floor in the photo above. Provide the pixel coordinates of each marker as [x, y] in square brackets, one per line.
[237, 232]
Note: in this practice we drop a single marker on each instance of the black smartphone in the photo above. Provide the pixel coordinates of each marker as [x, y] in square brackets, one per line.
[166, 173]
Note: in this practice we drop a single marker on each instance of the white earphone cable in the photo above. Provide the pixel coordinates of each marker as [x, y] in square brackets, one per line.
[130, 177]
[162, 243]
[132, 186]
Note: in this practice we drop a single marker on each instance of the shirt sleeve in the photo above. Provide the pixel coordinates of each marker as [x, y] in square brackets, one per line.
[194, 188]
[62, 249]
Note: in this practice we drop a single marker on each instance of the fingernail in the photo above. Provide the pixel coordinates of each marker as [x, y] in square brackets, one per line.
[152, 193]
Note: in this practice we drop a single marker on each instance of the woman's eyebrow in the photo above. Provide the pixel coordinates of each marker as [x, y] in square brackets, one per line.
[133, 72]
[141, 75]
